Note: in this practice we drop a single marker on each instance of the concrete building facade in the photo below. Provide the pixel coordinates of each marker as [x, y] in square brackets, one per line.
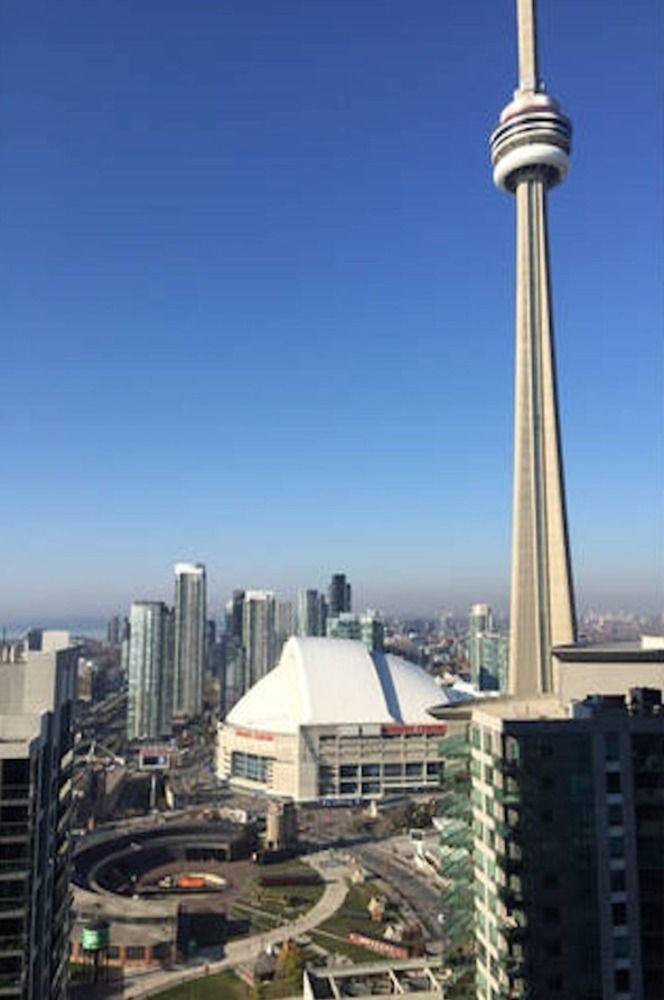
[37, 694]
[569, 860]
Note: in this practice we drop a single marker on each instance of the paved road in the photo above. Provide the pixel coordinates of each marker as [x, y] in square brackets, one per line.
[248, 949]
[422, 895]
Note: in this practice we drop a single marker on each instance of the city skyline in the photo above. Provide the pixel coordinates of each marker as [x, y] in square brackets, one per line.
[256, 227]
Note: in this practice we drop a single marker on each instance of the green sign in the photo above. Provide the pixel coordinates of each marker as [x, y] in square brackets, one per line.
[95, 938]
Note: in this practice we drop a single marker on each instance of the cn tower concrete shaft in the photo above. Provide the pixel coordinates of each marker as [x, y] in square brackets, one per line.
[530, 152]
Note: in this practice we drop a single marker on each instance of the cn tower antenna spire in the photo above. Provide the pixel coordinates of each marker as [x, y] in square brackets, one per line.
[527, 31]
[530, 151]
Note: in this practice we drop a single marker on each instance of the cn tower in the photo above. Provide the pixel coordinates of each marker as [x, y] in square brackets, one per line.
[530, 154]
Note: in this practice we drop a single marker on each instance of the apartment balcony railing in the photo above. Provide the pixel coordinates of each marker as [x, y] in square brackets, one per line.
[511, 898]
[10, 866]
[12, 944]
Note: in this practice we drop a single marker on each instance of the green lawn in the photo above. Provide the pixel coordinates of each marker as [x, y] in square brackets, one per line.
[225, 986]
[345, 920]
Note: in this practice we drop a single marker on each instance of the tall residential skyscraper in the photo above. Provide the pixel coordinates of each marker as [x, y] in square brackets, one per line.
[235, 614]
[189, 658]
[530, 154]
[569, 861]
[310, 613]
[259, 638]
[284, 624]
[150, 694]
[37, 695]
[340, 595]
[480, 620]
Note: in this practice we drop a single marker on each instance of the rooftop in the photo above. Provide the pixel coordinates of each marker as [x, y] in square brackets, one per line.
[375, 979]
[521, 709]
[337, 681]
[647, 649]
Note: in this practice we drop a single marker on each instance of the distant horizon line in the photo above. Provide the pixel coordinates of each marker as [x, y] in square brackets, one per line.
[85, 624]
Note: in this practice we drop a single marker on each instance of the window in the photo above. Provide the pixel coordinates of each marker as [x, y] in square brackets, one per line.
[550, 880]
[551, 914]
[348, 771]
[612, 746]
[615, 815]
[613, 782]
[619, 914]
[621, 980]
[616, 847]
[251, 766]
[618, 880]
[16, 772]
[135, 952]
[370, 770]
[553, 949]
[392, 770]
[554, 984]
[620, 947]
[413, 770]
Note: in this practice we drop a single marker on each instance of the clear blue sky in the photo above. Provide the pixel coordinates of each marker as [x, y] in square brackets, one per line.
[257, 298]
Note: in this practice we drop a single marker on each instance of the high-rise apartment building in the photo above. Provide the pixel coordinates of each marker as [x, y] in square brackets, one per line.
[259, 635]
[150, 691]
[189, 656]
[37, 695]
[480, 620]
[493, 660]
[235, 615]
[116, 630]
[284, 625]
[340, 597]
[568, 814]
[369, 628]
[311, 613]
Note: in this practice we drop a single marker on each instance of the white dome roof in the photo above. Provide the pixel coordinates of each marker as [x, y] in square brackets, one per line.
[334, 682]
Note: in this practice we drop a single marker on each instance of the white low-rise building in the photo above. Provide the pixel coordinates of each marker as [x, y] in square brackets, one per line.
[334, 721]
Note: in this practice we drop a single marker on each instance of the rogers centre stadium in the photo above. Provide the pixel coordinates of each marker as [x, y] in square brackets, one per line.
[333, 721]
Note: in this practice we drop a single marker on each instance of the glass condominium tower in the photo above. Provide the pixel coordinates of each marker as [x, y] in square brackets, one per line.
[189, 652]
[150, 700]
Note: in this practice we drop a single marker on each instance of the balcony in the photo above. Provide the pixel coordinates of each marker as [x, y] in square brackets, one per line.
[13, 945]
[509, 797]
[511, 827]
[507, 765]
[10, 829]
[16, 794]
[509, 861]
[511, 898]
[515, 968]
[11, 984]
